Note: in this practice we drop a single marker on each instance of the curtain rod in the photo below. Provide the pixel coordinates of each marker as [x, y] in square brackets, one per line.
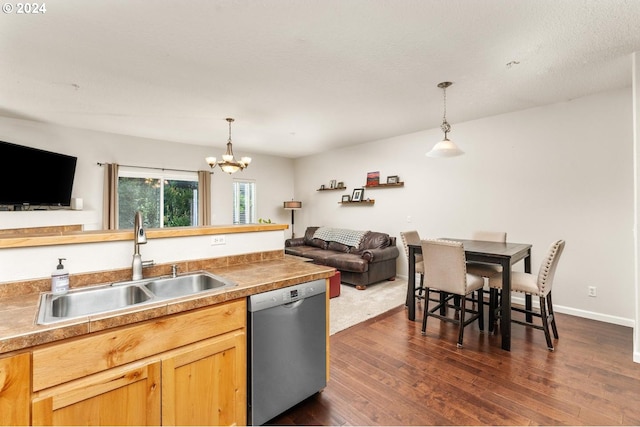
[153, 168]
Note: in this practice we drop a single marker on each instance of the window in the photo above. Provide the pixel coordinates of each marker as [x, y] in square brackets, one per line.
[166, 198]
[244, 202]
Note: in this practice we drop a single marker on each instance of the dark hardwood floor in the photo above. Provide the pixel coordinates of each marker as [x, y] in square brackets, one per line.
[384, 372]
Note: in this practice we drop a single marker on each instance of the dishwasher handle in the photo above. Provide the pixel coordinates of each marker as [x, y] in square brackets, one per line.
[294, 304]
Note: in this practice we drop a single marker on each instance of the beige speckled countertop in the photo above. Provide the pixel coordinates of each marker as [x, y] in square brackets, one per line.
[253, 273]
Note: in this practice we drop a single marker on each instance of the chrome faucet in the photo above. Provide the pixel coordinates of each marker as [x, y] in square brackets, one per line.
[139, 238]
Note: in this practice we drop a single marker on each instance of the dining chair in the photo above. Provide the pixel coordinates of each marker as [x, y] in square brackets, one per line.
[536, 285]
[446, 272]
[413, 238]
[481, 268]
[485, 269]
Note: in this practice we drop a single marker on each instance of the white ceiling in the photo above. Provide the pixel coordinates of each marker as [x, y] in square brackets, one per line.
[304, 76]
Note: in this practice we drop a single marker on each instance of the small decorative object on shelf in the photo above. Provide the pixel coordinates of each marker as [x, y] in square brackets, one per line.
[346, 198]
[333, 185]
[393, 179]
[357, 194]
[373, 179]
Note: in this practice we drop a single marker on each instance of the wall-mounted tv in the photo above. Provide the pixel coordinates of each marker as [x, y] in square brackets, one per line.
[35, 177]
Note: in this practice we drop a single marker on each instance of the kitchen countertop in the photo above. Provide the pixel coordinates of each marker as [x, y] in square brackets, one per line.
[18, 328]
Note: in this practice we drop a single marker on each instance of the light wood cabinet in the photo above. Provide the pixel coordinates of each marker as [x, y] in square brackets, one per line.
[128, 395]
[15, 388]
[189, 368]
[202, 384]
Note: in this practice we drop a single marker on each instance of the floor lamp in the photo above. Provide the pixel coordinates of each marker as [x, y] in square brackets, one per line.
[292, 206]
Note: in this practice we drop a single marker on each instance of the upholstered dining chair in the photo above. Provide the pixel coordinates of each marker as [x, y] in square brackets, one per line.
[413, 238]
[536, 285]
[484, 269]
[445, 271]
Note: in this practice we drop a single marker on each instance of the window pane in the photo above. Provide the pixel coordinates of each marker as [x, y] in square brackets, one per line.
[244, 202]
[180, 203]
[138, 194]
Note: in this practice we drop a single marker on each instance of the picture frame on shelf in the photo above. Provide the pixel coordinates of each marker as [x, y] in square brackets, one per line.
[340, 184]
[332, 183]
[346, 198]
[322, 187]
[373, 179]
[393, 179]
[357, 194]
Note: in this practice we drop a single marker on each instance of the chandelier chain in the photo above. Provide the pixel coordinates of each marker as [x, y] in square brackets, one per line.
[445, 126]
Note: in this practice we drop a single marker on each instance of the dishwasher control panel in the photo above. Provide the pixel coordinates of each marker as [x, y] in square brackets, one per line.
[286, 295]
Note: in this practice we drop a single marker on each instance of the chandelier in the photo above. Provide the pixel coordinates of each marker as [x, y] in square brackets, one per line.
[228, 163]
[445, 148]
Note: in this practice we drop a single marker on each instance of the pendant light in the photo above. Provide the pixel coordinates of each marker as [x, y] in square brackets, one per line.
[445, 148]
[228, 163]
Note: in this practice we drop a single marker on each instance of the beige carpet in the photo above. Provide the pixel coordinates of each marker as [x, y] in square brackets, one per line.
[354, 306]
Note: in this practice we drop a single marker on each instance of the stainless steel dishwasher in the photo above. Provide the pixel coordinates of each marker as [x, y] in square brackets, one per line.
[286, 348]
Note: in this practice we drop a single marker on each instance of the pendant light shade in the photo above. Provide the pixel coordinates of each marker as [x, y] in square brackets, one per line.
[446, 147]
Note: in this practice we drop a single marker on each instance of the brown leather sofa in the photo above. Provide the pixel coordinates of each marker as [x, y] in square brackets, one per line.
[372, 260]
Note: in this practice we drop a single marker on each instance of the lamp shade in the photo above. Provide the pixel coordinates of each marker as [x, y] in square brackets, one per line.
[445, 148]
[291, 204]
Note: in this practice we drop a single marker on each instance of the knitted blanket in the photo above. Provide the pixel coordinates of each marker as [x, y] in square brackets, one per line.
[340, 235]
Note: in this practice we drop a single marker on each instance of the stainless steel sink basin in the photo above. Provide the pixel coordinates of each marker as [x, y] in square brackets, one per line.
[173, 287]
[88, 301]
[84, 302]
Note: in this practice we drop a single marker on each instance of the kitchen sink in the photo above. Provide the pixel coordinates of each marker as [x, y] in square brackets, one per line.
[84, 302]
[102, 299]
[173, 287]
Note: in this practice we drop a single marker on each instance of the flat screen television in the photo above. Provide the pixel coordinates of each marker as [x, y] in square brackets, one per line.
[35, 177]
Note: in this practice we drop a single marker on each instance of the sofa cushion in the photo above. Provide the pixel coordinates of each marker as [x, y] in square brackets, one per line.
[303, 251]
[308, 235]
[347, 262]
[319, 243]
[338, 247]
[374, 240]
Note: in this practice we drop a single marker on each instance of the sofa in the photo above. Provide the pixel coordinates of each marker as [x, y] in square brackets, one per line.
[362, 257]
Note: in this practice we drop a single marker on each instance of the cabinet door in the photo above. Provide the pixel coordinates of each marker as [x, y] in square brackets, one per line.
[205, 383]
[127, 395]
[15, 389]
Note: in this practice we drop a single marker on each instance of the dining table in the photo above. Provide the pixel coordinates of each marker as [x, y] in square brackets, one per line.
[504, 254]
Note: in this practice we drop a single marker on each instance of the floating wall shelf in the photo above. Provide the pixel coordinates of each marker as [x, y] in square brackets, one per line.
[398, 184]
[331, 189]
[362, 203]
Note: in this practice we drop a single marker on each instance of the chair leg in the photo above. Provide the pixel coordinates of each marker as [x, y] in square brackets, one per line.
[552, 316]
[545, 322]
[461, 320]
[493, 306]
[480, 310]
[426, 311]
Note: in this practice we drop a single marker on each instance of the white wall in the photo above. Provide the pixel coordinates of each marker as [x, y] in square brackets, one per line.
[560, 171]
[273, 175]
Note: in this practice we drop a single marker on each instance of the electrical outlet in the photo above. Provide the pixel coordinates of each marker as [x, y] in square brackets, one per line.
[592, 291]
[218, 240]
[408, 218]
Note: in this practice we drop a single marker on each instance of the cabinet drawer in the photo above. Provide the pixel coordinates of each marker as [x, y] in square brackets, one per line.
[58, 363]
